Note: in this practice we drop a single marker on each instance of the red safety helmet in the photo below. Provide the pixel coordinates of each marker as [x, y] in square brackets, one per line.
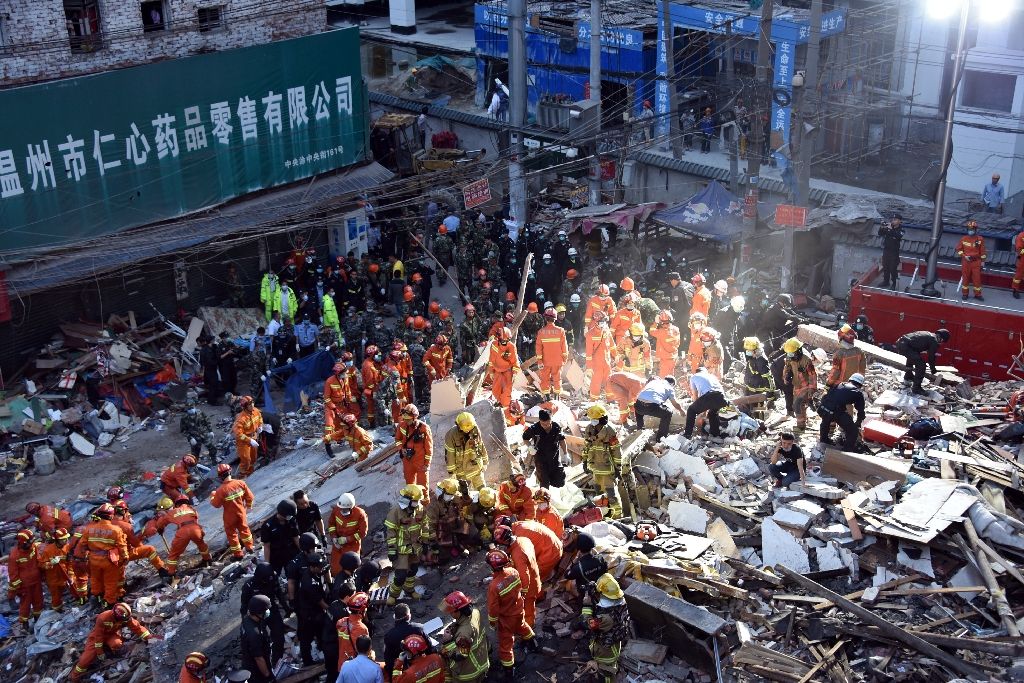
[371, 350]
[195, 662]
[646, 532]
[122, 611]
[358, 602]
[456, 600]
[105, 511]
[416, 277]
[599, 316]
[32, 508]
[482, 273]
[182, 500]
[120, 508]
[338, 368]
[189, 461]
[445, 313]
[24, 536]
[415, 644]
[442, 229]
[515, 407]
[847, 334]
[115, 493]
[223, 470]
[571, 273]
[504, 520]
[434, 307]
[709, 335]
[419, 322]
[395, 355]
[503, 535]
[497, 559]
[347, 356]
[374, 268]
[349, 419]
[408, 296]
[550, 313]
[407, 288]
[603, 290]
[441, 340]
[397, 345]
[697, 280]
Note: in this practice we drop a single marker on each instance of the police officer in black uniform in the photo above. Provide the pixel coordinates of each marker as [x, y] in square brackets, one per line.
[264, 582]
[312, 606]
[255, 640]
[834, 410]
[586, 568]
[892, 237]
[280, 536]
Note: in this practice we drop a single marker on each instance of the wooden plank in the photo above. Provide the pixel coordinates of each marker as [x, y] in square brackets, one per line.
[851, 519]
[932, 591]
[854, 468]
[1008, 648]
[825, 659]
[824, 338]
[856, 595]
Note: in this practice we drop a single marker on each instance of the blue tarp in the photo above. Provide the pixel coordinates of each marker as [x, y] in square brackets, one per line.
[306, 374]
[713, 213]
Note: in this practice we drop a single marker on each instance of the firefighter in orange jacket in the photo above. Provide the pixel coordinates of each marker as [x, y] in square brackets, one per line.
[714, 355]
[601, 354]
[546, 545]
[177, 479]
[847, 359]
[107, 546]
[397, 362]
[248, 425]
[506, 610]
[701, 302]
[416, 664]
[416, 446]
[49, 518]
[438, 359]
[602, 301]
[546, 515]
[502, 364]
[57, 573]
[105, 637]
[667, 339]
[553, 351]
[351, 627]
[371, 379]
[695, 352]
[516, 498]
[338, 401]
[635, 352]
[624, 387]
[514, 414]
[346, 528]
[26, 579]
[625, 317]
[136, 549]
[972, 253]
[358, 438]
[524, 558]
[189, 530]
[351, 378]
[194, 668]
[235, 497]
[1018, 274]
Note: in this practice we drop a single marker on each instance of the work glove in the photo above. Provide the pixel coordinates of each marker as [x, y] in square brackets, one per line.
[341, 540]
[192, 440]
[254, 443]
[564, 460]
[337, 542]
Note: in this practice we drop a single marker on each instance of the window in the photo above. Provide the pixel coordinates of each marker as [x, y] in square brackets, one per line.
[986, 90]
[154, 16]
[83, 22]
[209, 19]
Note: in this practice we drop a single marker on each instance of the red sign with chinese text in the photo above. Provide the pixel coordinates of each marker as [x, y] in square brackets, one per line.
[476, 193]
[791, 216]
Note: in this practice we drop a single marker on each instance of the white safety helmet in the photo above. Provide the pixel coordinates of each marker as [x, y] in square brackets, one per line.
[857, 378]
[346, 501]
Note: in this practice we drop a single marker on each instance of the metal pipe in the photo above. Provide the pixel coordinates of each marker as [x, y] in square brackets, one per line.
[595, 96]
[517, 109]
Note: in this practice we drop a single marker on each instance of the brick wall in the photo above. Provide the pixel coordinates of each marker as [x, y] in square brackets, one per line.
[38, 47]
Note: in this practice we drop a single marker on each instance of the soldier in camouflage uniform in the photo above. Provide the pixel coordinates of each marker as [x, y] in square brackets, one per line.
[386, 397]
[484, 301]
[445, 325]
[196, 428]
[378, 334]
[471, 333]
[353, 326]
[327, 339]
[464, 270]
[528, 333]
[257, 362]
[421, 385]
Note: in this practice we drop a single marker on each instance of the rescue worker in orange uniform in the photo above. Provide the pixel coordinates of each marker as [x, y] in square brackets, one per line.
[105, 637]
[546, 515]
[602, 301]
[338, 400]
[514, 414]
[847, 359]
[137, 550]
[695, 352]
[189, 530]
[26, 579]
[346, 528]
[248, 424]
[177, 479]
[235, 497]
[701, 302]
[635, 352]
[49, 518]
[506, 611]
[516, 498]
[625, 317]
[601, 354]
[553, 351]
[667, 339]
[107, 546]
[624, 387]
[350, 627]
[78, 551]
[53, 560]
[1018, 274]
[358, 438]
[194, 668]
[546, 545]
[416, 444]
[351, 377]
[417, 664]
[714, 354]
[371, 380]
[438, 359]
[397, 362]
[502, 364]
[972, 253]
[524, 558]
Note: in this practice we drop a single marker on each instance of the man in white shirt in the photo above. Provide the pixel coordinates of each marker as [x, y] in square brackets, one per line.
[275, 324]
[657, 399]
[706, 392]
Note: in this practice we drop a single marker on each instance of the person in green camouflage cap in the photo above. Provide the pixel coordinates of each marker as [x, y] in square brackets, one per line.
[196, 428]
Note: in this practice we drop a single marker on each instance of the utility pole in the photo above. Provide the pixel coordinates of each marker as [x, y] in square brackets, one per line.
[808, 102]
[674, 138]
[762, 103]
[734, 132]
[517, 109]
[595, 97]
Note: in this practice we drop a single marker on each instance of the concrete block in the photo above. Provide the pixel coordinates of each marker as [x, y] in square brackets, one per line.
[793, 519]
[746, 468]
[687, 517]
[808, 507]
[833, 557]
[830, 532]
[916, 557]
[779, 546]
[870, 594]
[967, 576]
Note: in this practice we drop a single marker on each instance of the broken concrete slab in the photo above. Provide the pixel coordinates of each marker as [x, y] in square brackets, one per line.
[967, 576]
[645, 600]
[809, 508]
[687, 517]
[832, 556]
[719, 532]
[792, 519]
[745, 467]
[830, 532]
[779, 546]
[818, 490]
[916, 557]
[677, 464]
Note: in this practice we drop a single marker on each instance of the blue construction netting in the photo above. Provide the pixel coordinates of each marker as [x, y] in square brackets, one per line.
[306, 374]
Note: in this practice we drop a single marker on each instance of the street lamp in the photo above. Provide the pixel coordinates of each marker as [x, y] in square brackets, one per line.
[988, 11]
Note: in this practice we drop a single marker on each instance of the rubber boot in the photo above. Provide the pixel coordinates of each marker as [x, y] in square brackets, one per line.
[327, 447]
[164, 574]
[394, 590]
[410, 588]
[532, 645]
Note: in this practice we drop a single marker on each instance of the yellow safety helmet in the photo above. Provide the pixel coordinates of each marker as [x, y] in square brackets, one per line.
[449, 486]
[465, 421]
[636, 330]
[488, 497]
[164, 503]
[608, 587]
[560, 308]
[792, 345]
[751, 343]
[412, 492]
[597, 411]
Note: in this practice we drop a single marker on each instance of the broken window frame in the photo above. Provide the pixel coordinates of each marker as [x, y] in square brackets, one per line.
[84, 33]
[147, 5]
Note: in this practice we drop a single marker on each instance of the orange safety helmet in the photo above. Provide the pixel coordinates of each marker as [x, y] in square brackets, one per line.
[571, 273]
[442, 229]
[349, 419]
[531, 307]
[665, 316]
[419, 322]
[416, 277]
[415, 644]
[371, 350]
[434, 307]
[627, 285]
[374, 268]
[503, 535]
[456, 600]
[497, 559]
[358, 602]
[408, 321]
[189, 461]
[223, 470]
[195, 662]
[441, 340]
[408, 296]
[603, 290]
[445, 314]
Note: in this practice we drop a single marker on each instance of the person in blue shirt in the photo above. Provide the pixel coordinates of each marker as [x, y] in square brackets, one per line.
[306, 335]
[361, 669]
[993, 195]
[708, 397]
[657, 399]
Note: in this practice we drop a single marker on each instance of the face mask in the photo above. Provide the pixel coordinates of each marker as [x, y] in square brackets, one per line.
[404, 503]
[447, 497]
[348, 364]
[346, 511]
[377, 358]
[971, 232]
[791, 355]
[749, 353]
[706, 344]
[594, 423]
[503, 342]
[858, 326]
[629, 306]
[542, 506]
[191, 411]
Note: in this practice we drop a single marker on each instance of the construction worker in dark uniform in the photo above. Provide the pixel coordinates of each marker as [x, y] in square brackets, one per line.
[255, 640]
[892, 237]
[834, 410]
[912, 345]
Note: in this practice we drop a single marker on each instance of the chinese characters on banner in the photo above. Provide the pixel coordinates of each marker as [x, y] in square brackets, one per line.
[476, 193]
[89, 156]
[791, 216]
